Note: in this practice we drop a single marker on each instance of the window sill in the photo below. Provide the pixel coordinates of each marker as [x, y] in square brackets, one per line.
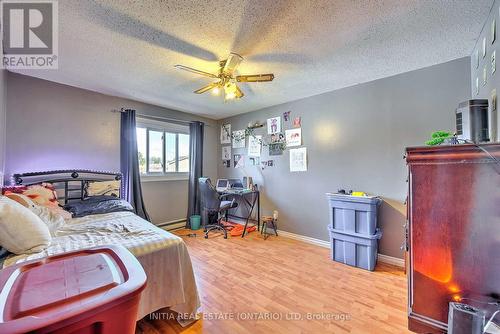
[164, 178]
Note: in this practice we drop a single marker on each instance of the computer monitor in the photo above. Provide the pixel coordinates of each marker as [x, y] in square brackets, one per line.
[236, 183]
[222, 185]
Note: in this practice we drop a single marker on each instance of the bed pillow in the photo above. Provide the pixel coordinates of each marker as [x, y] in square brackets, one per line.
[103, 188]
[42, 194]
[97, 205]
[21, 231]
[52, 218]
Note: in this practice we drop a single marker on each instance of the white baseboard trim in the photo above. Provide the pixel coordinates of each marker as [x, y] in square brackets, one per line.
[326, 244]
[391, 260]
[309, 240]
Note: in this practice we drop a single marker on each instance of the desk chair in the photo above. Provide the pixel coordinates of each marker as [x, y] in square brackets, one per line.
[213, 202]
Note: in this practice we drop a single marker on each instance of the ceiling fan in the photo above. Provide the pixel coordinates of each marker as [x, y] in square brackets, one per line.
[226, 80]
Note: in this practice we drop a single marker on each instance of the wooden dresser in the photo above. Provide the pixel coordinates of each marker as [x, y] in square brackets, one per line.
[453, 231]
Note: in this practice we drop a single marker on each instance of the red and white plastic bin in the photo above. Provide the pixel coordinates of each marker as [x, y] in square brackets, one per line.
[89, 291]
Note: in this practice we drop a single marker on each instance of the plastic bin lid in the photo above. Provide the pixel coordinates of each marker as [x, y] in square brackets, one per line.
[39, 293]
[376, 235]
[357, 199]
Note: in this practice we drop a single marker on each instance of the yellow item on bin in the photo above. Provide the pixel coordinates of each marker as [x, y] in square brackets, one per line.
[358, 193]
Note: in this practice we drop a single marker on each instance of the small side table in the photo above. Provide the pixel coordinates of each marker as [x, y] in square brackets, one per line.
[268, 220]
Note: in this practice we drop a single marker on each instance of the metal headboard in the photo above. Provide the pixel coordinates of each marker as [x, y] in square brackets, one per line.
[69, 183]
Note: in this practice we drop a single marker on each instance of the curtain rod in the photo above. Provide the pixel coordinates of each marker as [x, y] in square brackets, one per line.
[173, 120]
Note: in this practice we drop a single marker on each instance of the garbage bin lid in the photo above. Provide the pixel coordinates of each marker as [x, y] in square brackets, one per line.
[359, 199]
[35, 294]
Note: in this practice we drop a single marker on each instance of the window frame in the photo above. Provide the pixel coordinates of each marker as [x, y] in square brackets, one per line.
[164, 127]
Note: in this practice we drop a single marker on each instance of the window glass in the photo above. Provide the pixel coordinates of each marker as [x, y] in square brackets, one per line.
[183, 152]
[162, 148]
[155, 151]
[170, 151]
[141, 149]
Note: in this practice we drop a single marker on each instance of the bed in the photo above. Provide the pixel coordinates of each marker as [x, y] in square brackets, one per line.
[163, 255]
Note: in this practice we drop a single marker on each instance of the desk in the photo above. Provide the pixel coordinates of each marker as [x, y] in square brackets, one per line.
[250, 198]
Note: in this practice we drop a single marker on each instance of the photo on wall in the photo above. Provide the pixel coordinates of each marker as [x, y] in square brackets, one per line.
[297, 122]
[493, 61]
[226, 153]
[484, 47]
[274, 125]
[286, 116]
[493, 31]
[239, 139]
[293, 137]
[225, 134]
[254, 161]
[254, 146]
[239, 161]
[298, 159]
[275, 149]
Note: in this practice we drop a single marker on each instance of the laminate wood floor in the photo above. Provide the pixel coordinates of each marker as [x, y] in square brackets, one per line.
[280, 285]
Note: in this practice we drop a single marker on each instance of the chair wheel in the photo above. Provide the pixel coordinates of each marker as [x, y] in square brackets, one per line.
[225, 236]
[206, 236]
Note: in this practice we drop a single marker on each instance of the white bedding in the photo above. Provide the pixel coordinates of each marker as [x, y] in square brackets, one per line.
[164, 256]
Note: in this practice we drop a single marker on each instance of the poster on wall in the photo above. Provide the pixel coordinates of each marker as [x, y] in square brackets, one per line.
[493, 61]
[226, 153]
[286, 115]
[484, 47]
[296, 122]
[239, 161]
[298, 159]
[293, 137]
[254, 146]
[225, 134]
[274, 125]
[239, 139]
[493, 31]
[255, 161]
[275, 149]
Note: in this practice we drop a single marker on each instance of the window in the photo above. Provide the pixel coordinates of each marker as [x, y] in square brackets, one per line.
[163, 149]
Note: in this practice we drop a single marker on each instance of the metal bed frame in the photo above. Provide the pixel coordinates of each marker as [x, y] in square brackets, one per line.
[70, 184]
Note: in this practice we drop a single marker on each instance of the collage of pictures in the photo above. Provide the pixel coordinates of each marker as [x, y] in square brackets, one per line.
[282, 133]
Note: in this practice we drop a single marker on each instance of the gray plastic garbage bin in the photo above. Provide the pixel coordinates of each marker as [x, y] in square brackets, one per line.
[355, 249]
[353, 214]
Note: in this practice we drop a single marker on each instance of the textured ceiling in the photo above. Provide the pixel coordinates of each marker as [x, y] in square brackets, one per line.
[129, 48]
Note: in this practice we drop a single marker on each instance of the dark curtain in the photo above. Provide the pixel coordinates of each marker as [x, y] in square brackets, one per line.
[195, 168]
[131, 182]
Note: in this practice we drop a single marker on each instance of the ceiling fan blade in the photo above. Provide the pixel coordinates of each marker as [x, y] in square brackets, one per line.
[206, 88]
[255, 78]
[239, 93]
[195, 71]
[232, 62]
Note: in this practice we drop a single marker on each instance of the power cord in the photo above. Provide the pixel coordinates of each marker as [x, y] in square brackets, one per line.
[491, 156]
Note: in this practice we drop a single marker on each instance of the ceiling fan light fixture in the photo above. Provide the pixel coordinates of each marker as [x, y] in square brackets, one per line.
[227, 81]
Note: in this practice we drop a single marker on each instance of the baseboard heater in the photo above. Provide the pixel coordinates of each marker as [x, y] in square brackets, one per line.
[173, 225]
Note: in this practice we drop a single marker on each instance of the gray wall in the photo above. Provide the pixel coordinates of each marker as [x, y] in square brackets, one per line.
[492, 79]
[54, 126]
[356, 139]
[3, 92]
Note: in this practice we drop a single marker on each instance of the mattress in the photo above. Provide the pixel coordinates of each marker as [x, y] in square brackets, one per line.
[163, 255]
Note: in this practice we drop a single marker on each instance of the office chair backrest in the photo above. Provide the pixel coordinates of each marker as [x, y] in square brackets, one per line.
[210, 199]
